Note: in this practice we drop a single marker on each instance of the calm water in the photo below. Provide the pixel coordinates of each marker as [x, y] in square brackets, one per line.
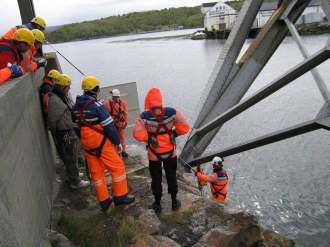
[287, 185]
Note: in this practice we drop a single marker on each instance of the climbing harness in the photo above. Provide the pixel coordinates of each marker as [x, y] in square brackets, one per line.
[120, 117]
[153, 143]
[82, 123]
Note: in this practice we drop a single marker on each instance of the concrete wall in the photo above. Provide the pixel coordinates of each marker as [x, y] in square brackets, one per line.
[26, 164]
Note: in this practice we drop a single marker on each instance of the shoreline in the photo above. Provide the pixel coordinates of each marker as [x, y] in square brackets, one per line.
[306, 30]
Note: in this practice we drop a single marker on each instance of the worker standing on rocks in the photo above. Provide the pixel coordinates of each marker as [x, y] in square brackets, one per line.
[158, 127]
[118, 111]
[101, 144]
[47, 86]
[218, 180]
[60, 122]
[11, 51]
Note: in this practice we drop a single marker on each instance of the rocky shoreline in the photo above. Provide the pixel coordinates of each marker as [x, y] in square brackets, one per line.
[78, 222]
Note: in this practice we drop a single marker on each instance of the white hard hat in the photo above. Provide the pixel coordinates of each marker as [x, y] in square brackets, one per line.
[217, 159]
[115, 92]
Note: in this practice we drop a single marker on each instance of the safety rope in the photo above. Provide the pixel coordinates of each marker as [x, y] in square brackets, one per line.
[200, 186]
[79, 70]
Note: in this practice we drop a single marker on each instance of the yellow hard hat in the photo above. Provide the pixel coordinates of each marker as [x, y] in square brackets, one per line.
[54, 74]
[24, 35]
[39, 36]
[39, 21]
[89, 83]
[63, 80]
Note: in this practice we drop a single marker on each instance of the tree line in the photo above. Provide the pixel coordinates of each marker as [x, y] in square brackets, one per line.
[137, 22]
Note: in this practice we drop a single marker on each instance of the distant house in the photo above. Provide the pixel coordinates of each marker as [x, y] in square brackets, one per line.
[221, 16]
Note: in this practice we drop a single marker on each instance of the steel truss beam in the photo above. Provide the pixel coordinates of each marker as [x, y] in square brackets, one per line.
[316, 74]
[229, 82]
[268, 90]
[322, 121]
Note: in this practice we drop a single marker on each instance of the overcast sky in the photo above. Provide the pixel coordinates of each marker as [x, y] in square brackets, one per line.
[57, 12]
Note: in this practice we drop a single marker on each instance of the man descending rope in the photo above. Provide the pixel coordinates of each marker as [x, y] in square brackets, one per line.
[158, 127]
[118, 111]
[218, 180]
[100, 141]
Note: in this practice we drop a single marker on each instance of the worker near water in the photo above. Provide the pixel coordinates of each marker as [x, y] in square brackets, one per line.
[218, 180]
[40, 39]
[158, 126]
[30, 62]
[100, 141]
[11, 51]
[117, 108]
[36, 23]
[59, 120]
[47, 86]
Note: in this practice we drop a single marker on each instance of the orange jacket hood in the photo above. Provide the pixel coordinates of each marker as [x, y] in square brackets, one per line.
[153, 99]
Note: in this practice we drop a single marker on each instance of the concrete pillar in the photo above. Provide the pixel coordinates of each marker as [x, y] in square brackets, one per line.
[26, 8]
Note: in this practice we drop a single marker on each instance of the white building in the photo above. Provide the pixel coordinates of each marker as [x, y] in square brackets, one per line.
[218, 16]
[221, 16]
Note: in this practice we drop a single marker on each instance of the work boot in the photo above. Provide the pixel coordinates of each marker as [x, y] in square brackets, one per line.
[124, 154]
[156, 207]
[176, 204]
[124, 200]
[82, 184]
[105, 204]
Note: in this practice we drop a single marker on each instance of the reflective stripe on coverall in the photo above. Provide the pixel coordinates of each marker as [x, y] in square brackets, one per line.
[97, 128]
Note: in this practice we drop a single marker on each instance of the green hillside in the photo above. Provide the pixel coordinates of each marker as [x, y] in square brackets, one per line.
[137, 22]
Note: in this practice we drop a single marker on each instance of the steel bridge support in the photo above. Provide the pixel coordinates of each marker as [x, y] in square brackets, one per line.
[232, 77]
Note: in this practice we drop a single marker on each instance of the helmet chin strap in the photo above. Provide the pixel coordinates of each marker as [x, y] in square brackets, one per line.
[93, 94]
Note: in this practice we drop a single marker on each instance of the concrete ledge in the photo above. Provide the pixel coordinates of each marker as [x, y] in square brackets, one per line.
[26, 164]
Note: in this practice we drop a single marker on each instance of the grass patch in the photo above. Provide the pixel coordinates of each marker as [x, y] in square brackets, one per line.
[181, 218]
[99, 230]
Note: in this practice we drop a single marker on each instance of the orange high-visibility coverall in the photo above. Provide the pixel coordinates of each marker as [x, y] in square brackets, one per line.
[218, 184]
[8, 54]
[109, 159]
[27, 63]
[163, 131]
[10, 33]
[97, 131]
[45, 88]
[119, 113]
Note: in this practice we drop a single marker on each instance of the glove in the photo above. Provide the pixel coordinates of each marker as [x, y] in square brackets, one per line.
[41, 63]
[16, 71]
[119, 148]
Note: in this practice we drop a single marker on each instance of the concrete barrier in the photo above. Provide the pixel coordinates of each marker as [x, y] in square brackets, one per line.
[26, 164]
